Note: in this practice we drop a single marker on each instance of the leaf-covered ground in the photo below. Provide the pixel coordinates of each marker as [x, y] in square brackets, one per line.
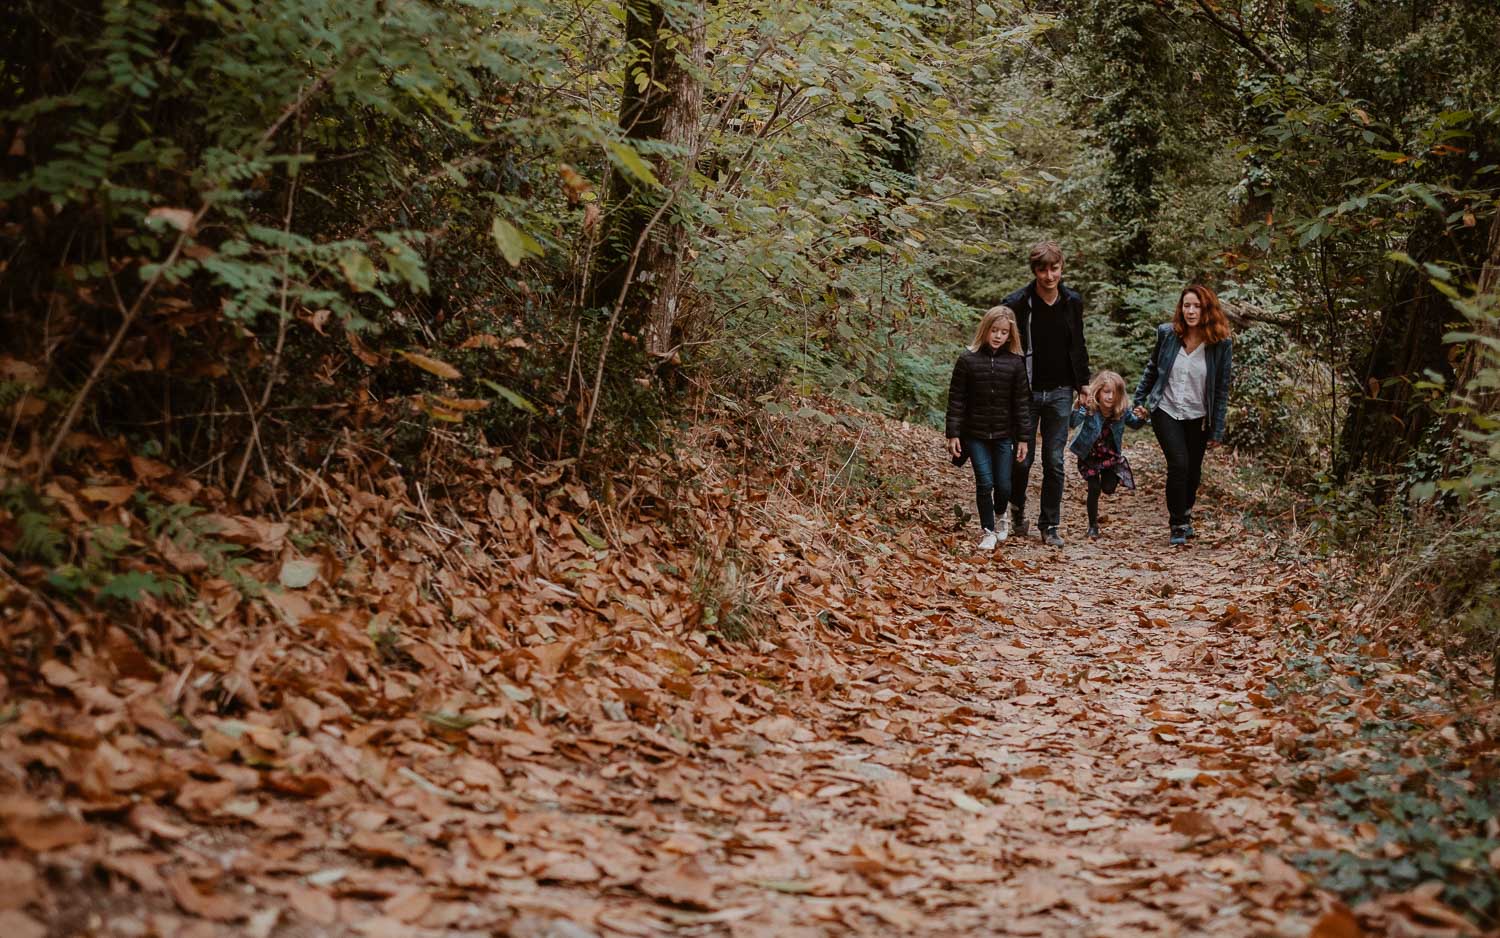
[773, 691]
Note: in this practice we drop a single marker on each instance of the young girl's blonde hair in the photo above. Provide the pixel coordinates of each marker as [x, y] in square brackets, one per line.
[1114, 380]
[994, 315]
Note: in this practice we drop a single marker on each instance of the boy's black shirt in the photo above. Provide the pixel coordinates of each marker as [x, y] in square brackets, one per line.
[1050, 367]
[1070, 307]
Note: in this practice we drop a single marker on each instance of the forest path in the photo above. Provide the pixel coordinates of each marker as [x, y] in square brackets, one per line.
[1035, 741]
[1067, 742]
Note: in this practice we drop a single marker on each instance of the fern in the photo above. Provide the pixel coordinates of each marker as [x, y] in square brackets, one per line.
[40, 540]
[134, 584]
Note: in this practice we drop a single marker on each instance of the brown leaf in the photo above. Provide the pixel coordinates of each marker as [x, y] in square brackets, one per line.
[432, 365]
[312, 785]
[408, 905]
[1337, 922]
[314, 904]
[149, 819]
[140, 868]
[216, 906]
[109, 496]
[388, 846]
[1195, 824]
[564, 868]
[684, 883]
[362, 351]
[41, 834]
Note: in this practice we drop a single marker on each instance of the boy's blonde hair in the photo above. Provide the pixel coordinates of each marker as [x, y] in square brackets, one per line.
[993, 315]
[1113, 379]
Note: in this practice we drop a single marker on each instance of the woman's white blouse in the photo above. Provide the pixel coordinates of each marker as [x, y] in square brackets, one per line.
[1187, 385]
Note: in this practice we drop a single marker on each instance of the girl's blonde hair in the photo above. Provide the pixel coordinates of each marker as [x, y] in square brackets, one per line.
[1114, 380]
[994, 315]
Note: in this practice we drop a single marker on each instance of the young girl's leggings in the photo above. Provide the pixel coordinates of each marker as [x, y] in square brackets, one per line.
[1106, 482]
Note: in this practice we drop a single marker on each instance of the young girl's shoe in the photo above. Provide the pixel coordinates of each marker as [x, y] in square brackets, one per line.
[989, 541]
[1002, 528]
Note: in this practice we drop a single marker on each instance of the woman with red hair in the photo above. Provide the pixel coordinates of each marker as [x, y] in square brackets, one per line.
[1185, 391]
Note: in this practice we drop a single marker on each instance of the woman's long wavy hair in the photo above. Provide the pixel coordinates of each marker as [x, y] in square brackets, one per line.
[994, 315]
[1215, 324]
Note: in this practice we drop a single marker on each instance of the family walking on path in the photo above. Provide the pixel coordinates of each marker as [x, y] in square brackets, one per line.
[1027, 372]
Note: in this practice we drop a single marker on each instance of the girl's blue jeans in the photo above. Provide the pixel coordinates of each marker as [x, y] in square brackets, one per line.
[992, 461]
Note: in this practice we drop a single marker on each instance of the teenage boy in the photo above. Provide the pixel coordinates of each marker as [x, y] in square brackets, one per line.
[1049, 316]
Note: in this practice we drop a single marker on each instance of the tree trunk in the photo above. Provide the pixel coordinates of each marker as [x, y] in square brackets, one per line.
[1387, 420]
[662, 101]
[1132, 118]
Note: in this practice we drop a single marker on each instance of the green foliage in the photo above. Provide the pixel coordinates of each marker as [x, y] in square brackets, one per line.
[183, 526]
[103, 567]
[1420, 808]
[39, 535]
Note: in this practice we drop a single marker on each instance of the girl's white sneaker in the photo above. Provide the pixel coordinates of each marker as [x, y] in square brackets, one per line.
[1002, 528]
[989, 541]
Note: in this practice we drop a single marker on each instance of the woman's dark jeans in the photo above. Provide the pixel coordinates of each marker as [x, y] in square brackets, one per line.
[1183, 442]
[991, 460]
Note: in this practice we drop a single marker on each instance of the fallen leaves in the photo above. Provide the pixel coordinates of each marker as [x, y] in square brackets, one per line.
[516, 708]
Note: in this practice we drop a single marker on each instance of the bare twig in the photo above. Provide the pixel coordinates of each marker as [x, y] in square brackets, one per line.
[614, 317]
[281, 324]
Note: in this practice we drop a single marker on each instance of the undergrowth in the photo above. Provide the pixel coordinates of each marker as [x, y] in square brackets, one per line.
[1411, 778]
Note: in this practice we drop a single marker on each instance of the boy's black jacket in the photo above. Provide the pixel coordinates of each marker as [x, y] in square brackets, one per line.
[1020, 303]
[989, 397]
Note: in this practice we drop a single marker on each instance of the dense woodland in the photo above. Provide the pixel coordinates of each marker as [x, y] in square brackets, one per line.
[594, 217]
[244, 239]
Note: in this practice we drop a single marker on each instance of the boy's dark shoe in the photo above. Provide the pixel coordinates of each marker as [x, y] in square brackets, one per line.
[1093, 532]
[1050, 538]
[1179, 535]
[1187, 531]
[1017, 522]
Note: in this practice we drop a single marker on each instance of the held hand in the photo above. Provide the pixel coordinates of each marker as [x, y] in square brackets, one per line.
[1085, 399]
[1021, 451]
[1140, 412]
[955, 448]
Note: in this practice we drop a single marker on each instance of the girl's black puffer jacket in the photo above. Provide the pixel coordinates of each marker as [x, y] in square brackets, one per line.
[989, 397]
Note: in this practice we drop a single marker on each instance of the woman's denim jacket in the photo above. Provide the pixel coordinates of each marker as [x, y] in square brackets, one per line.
[1093, 425]
[1220, 361]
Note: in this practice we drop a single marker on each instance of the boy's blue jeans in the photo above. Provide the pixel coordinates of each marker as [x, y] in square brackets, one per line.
[1051, 410]
[991, 460]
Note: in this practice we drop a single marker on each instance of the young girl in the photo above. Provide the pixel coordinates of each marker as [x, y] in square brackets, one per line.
[1101, 416]
[989, 415]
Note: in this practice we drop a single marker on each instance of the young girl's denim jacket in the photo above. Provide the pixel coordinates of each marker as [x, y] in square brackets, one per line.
[1092, 424]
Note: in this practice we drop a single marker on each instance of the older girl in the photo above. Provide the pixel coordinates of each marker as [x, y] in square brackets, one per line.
[1185, 391]
[989, 415]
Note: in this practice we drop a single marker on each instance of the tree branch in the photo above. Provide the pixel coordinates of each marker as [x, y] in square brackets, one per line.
[1240, 38]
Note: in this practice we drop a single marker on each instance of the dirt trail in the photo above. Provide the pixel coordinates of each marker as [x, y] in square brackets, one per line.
[1033, 742]
[1067, 742]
